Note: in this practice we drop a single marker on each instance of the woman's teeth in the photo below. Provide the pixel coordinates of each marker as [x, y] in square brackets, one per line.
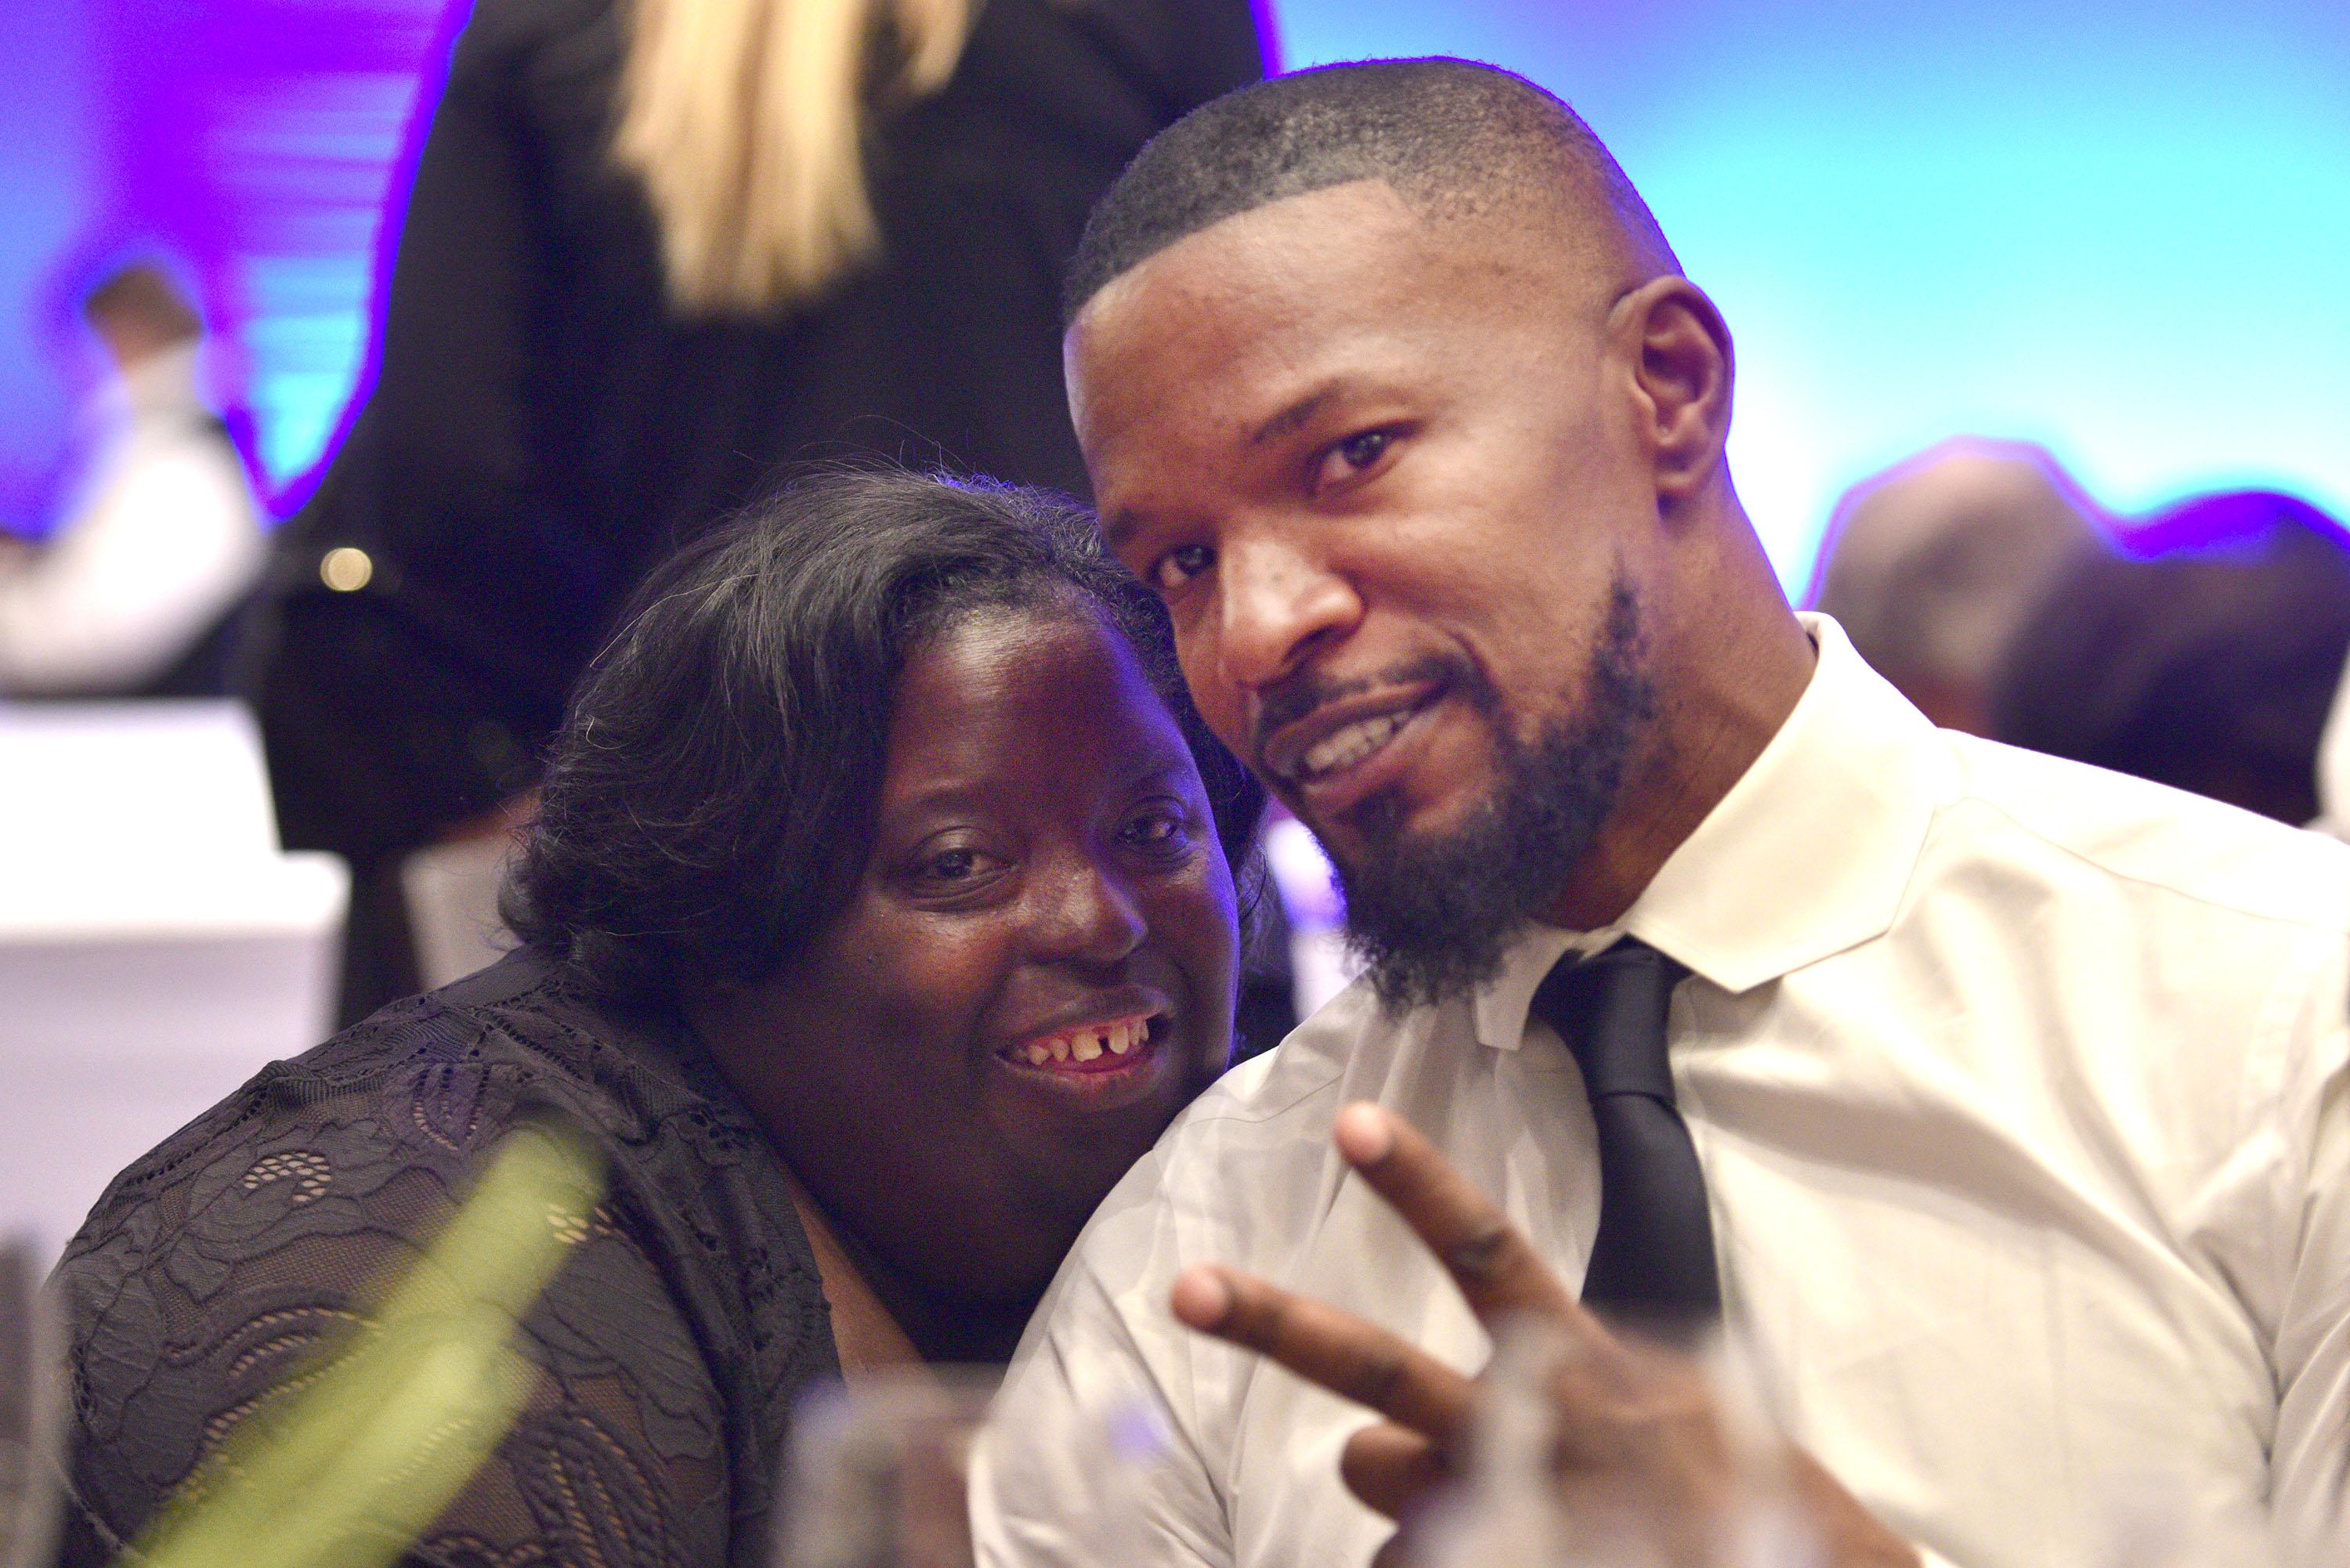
[1350, 745]
[1089, 1044]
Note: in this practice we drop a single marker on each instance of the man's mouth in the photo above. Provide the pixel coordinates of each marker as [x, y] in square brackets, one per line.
[1105, 1045]
[1323, 746]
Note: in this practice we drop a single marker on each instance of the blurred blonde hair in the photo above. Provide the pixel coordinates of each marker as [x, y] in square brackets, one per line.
[747, 120]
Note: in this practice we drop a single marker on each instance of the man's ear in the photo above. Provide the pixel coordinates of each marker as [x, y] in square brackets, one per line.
[1682, 372]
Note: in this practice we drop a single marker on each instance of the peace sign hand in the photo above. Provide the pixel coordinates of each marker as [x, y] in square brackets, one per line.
[1639, 1428]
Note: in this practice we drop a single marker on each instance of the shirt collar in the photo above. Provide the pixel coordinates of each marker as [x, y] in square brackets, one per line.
[1807, 856]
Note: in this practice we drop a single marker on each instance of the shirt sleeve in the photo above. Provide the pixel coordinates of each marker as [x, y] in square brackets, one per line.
[198, 1303]
[1101, 1375]
[165, 547]
[2310, 1459]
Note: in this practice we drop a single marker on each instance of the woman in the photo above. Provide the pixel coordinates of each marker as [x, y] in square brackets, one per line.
[878, 918]
[655, 248]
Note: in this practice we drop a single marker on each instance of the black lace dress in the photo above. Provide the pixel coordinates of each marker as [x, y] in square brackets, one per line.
[668, 1348]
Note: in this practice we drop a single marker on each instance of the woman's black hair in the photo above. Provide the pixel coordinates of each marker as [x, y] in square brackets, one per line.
[708, 804]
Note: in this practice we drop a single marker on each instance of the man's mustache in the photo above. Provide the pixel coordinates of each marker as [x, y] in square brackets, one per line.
[1297, 696]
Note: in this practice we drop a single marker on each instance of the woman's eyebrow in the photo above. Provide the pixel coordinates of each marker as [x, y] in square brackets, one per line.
[941, 794]
[1131, 769]
[1162, 767]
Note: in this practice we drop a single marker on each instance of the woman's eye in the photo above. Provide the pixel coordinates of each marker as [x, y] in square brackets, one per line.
[1180, 566]
[952, 868]
[1166, 832]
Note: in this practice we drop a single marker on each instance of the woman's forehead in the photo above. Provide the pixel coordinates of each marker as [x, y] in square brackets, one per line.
[1055, 690]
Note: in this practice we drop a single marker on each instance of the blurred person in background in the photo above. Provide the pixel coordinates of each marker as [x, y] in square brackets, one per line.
[1931, 565]
[2333, 766]
[130, 594]
[2207, 658]
[652, 250]
[866, 972]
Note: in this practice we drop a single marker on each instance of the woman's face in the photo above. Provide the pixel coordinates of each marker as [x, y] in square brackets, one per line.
[1034, 973]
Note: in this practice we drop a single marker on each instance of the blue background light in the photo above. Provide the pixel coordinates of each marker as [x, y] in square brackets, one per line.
[2120, 231]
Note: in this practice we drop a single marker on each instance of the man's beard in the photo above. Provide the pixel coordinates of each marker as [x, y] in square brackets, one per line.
[1433, 914]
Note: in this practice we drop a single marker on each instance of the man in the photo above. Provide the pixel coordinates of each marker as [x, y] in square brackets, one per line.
[1931, 565]
[2207, 659]
[2012, 1107]
[128, 596]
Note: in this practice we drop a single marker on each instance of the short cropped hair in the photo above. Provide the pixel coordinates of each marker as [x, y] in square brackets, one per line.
[1450, 136]
[708, 805]
[144, 295]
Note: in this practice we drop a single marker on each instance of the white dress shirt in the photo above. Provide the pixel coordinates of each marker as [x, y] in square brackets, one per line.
[165, 539]
[2023, 1093]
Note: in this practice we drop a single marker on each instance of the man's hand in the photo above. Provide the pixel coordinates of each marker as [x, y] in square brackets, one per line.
[1639, 1428]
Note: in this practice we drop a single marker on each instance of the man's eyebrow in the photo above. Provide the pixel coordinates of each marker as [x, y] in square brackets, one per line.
[1120, 526]
[1117, 528]
[1295, 415]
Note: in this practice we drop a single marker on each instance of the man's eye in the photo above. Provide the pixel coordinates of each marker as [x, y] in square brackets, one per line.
[1180, 566]
[1356, 454]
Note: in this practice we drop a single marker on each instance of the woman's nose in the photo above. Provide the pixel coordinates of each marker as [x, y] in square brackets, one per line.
[1094, 918]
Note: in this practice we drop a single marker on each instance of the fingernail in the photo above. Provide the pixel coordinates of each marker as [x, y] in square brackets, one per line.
[1201, 1297]
[1363, 1134]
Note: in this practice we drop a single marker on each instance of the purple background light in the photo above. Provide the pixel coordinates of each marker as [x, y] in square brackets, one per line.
[2117, 231]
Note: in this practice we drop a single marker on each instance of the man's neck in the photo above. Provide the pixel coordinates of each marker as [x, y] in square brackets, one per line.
[1722, 699]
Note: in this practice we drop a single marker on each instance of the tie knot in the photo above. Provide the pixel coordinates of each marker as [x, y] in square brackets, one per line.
[1611, 1011]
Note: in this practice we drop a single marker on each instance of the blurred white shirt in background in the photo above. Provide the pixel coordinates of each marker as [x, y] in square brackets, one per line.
[165, 539]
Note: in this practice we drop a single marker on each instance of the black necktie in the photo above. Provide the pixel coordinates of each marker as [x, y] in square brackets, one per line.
[1652, 1262]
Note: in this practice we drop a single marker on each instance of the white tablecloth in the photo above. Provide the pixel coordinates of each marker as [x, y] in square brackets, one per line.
[156, 947]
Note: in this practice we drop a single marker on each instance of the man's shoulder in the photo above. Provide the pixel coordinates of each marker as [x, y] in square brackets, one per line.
[1286, 1098]
[1235, 1176]
[2145, 837]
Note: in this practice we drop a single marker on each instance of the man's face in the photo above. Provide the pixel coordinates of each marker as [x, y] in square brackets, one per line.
[1387, 476]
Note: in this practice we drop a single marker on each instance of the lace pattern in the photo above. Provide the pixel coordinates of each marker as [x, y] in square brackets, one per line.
[686, 1316]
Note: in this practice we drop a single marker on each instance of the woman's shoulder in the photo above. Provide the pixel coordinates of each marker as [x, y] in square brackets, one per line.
[229, 1259]
[427, 1081]
[424, 1089]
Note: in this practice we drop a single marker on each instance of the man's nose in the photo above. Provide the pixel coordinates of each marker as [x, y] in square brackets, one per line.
[1279, 603]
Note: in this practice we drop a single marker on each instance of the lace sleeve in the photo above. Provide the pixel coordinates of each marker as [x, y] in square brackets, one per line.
[205, 1286]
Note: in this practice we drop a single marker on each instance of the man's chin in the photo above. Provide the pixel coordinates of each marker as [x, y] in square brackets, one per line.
[1430, 912]
[1393, 825]
[1438, 890]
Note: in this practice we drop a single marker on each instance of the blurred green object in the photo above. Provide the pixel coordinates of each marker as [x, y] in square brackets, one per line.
[353, 1463]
